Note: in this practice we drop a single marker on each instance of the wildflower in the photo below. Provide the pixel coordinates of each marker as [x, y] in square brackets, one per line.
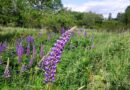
[7, 72]
[20, 51]
[49, 63]
[2, 47]
[30, 39]
[28, 50]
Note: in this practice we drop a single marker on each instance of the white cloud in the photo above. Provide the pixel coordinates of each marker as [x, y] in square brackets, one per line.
[101, 7]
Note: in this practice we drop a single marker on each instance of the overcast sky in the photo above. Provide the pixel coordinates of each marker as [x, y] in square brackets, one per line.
[98, 6]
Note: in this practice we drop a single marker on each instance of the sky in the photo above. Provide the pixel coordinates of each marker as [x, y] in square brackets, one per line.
[103, 7]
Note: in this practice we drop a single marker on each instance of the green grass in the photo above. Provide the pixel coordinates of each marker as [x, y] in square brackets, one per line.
[106, 66]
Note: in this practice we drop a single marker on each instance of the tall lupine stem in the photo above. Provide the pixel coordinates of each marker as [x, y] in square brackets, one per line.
[49, 86]
[33, 56]
[7, 72]
[50, 61]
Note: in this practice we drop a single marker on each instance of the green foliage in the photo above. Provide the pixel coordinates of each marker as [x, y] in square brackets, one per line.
[124, 18]
[127, 16]
[112, 26]
[52, 15]
[106, 66]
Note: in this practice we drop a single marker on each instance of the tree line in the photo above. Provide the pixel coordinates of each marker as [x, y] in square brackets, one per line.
[51, 14]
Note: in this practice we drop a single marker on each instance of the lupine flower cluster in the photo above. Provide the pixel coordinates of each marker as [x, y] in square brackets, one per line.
[30, 39]
[2, 47]
[33, 56]
[20, 51]
[49, 62]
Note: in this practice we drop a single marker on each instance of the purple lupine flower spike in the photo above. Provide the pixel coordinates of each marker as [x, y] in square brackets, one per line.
[49, 62]
[28, 50]
[33, 56]
[20, 51]
[42, 51]
[2, 47]
[30, 39]
[7, 72]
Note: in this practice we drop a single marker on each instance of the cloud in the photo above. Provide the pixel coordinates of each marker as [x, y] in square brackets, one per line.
[100, 6]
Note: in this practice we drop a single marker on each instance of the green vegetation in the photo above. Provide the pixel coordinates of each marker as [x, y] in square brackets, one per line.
[104, 66]
[98, 61]
[51, 14]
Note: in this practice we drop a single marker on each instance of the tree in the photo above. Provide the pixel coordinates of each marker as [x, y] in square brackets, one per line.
[121, 17]
[127, 16]
[46, 4]
[110, 16]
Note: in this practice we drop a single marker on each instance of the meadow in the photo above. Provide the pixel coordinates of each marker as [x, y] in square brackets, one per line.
[95, 61]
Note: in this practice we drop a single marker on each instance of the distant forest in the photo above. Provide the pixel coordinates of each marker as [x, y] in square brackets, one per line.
[51, 14]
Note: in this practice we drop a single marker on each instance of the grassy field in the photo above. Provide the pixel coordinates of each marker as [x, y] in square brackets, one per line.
[100, 61]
